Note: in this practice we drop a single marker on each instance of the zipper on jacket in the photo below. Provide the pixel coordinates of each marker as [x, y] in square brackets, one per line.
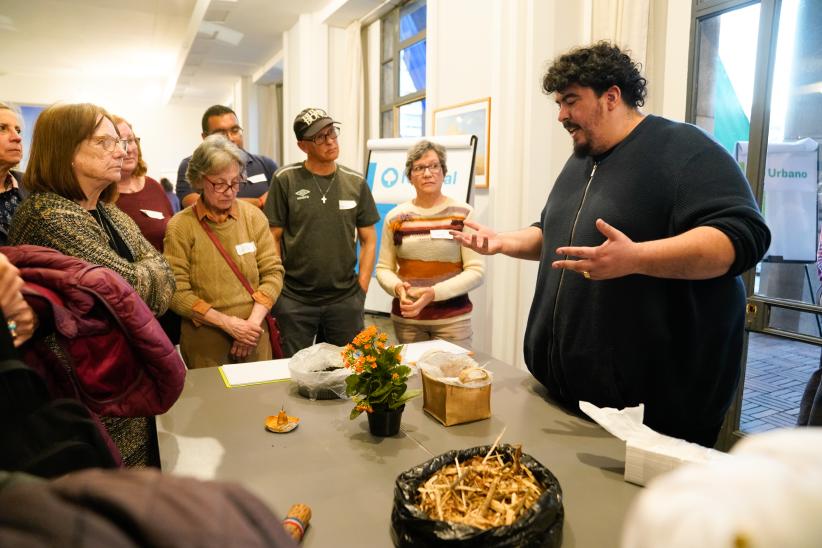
[562, 278]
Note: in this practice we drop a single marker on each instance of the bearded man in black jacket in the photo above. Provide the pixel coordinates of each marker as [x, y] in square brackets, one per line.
[641, 245]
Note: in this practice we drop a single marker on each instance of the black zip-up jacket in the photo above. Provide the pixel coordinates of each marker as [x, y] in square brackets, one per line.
[674, 345]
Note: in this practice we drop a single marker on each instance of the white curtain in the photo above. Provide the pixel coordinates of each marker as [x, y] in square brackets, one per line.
[352, 89]
[624, 22]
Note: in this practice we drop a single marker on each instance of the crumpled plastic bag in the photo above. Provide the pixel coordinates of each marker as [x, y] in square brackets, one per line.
[308, 370]
[448, 368]
[540, 526]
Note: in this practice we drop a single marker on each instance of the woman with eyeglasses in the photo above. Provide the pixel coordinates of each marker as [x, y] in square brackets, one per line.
[141, 197]
[76, 160]
[427, 272]
[223, 257]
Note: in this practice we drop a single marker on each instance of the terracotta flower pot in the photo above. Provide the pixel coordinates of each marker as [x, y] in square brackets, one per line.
[385, 422]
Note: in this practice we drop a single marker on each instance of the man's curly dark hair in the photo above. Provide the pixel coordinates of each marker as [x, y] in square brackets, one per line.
[598, 67]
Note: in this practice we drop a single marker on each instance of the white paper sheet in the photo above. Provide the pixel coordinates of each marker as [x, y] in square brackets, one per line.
[411, 352]
[243, 374]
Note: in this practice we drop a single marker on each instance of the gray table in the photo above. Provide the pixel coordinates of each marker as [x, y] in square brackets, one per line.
[347, 476]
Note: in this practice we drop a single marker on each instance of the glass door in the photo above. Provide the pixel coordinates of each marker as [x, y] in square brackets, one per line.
[757, 87]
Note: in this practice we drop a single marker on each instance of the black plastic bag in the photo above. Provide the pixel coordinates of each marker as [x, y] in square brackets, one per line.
[540, 526]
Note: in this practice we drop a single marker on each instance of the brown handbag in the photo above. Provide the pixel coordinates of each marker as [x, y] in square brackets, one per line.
[273, 330]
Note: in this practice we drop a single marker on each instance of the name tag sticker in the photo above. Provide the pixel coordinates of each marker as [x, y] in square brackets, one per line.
[259, 178]
[348, 204]
[441, 235]
[246, 247]
[153, 214]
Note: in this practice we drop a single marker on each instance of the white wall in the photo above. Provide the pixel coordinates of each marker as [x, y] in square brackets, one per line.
[675, 32]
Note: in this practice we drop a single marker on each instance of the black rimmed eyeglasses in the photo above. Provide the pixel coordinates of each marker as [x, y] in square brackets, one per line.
[433, 168]
[332, 134]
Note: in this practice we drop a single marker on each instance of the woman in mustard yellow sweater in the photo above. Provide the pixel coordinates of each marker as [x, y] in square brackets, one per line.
[222, 321]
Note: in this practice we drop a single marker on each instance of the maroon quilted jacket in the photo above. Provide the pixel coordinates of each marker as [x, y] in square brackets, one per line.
[115, 356]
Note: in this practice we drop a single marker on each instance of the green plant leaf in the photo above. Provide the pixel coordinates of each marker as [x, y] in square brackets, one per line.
[410, 394]
[354, 413]
[381, 390]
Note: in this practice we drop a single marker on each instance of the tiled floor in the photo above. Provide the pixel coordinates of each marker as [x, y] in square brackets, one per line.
[776, 374]
[775, 378]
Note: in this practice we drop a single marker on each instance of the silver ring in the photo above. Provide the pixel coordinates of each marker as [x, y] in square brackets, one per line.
[12, 325]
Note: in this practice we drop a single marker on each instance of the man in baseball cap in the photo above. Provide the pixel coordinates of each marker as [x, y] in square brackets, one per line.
[314, 208]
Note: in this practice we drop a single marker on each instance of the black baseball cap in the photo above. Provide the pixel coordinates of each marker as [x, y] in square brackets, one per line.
[309, 121]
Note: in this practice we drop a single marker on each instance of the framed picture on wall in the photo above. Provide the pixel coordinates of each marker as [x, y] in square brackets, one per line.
[469, 118]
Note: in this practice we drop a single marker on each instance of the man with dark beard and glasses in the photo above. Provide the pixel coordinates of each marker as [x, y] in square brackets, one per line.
[641, 245]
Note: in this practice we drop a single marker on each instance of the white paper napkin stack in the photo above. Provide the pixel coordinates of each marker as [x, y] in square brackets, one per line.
[647, 452]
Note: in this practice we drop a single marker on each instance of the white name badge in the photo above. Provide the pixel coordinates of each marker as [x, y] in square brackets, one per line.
[246, 247]
[348, 204]
[153, 214]
[259, 178]
[441, 235]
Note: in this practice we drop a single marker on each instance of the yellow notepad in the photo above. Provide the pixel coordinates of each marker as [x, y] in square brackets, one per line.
[245, 374]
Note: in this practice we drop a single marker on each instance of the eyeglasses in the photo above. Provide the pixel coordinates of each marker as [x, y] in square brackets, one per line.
[132, 141]
[323, 138]
[109, 143]
[433, 168]
[222, 188]
[232, 131]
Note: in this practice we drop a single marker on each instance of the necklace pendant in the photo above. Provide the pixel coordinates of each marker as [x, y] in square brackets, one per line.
[324, 200]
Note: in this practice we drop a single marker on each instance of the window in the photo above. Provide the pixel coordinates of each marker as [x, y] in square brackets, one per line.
[402, 71]
[756, 86]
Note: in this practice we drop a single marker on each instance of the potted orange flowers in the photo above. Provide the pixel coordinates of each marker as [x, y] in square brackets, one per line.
[378, 383]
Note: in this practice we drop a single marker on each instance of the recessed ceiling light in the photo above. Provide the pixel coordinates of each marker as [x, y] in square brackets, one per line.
[223, 33]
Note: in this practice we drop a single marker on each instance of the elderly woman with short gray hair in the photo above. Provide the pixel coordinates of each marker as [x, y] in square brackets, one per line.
[210, 246]
[428, 273]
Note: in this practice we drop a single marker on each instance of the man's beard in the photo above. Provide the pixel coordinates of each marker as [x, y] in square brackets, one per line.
[581, 150]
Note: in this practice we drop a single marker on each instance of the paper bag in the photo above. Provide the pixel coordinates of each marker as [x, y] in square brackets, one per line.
[452, 404]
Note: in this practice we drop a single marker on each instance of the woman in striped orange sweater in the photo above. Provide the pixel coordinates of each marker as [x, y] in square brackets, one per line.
[428, 273]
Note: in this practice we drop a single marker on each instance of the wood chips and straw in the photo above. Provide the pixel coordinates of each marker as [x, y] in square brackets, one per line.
[481, 492]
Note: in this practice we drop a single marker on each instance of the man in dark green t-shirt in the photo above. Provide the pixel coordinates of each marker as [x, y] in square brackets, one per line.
[318, 211]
